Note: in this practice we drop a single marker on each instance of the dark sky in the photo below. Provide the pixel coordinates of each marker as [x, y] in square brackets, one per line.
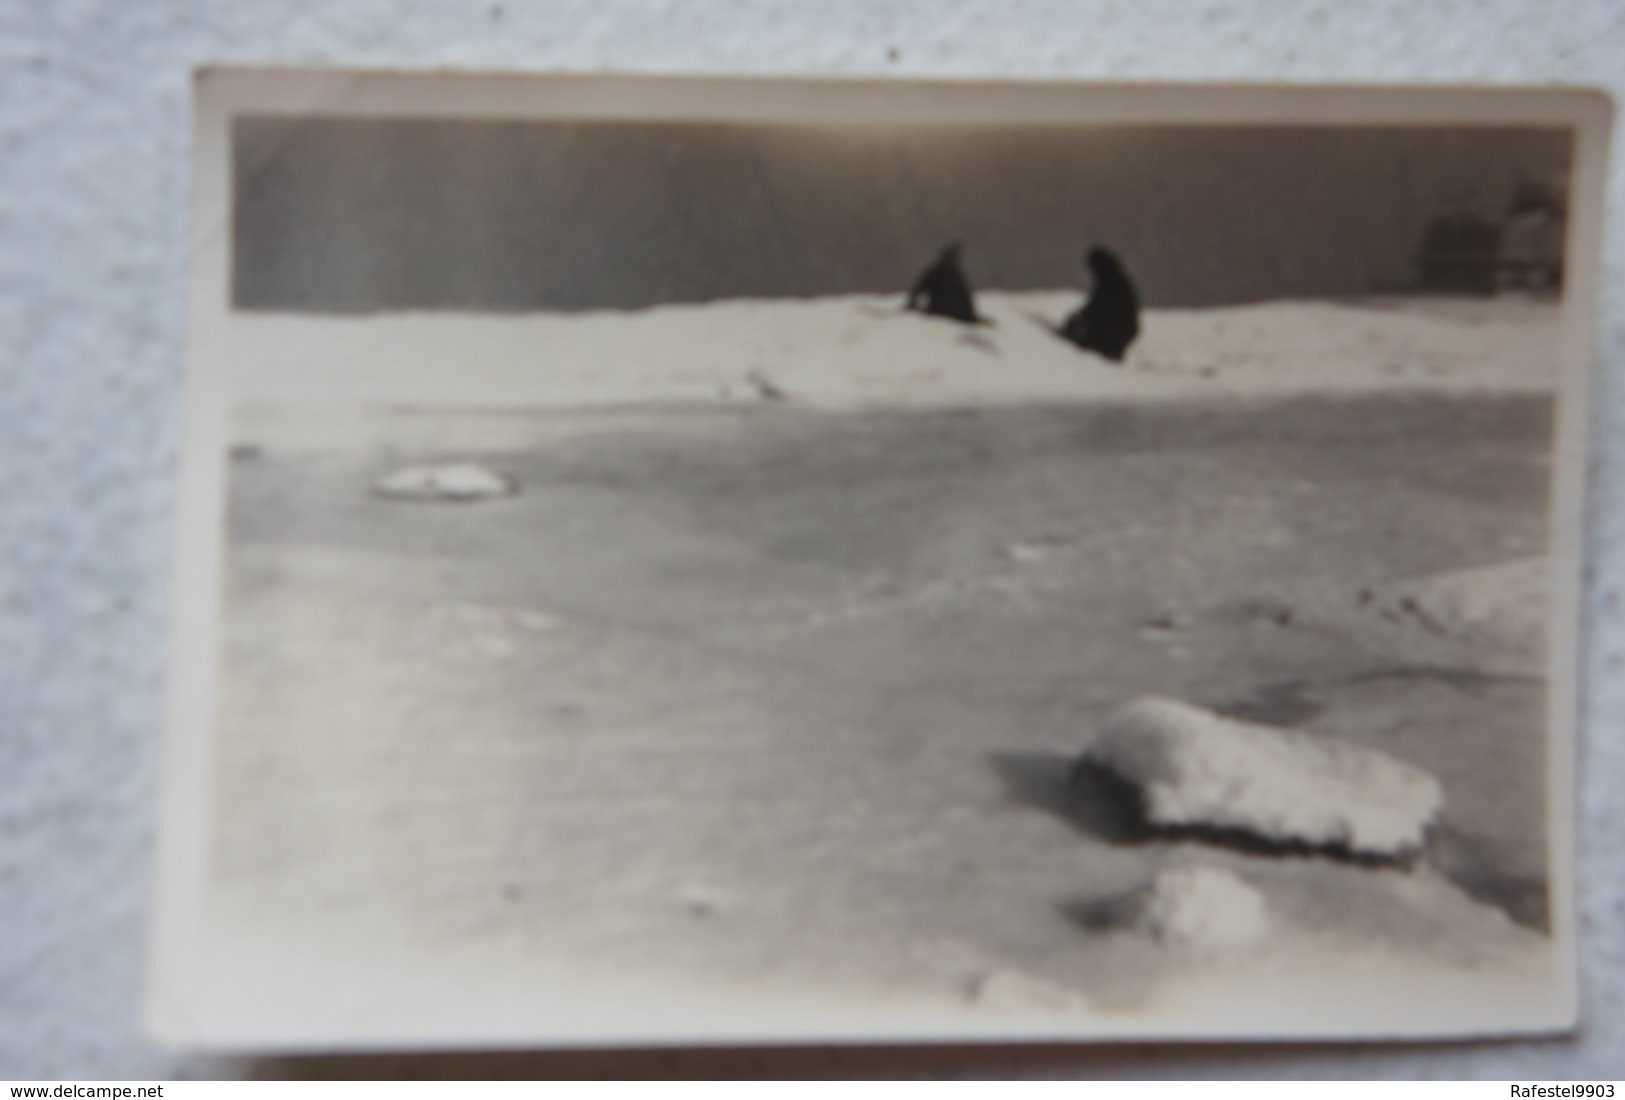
[351, 215]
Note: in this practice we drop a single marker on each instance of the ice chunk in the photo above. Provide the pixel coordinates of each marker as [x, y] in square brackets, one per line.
[1194, 768]
[449, 481]
[1199, 906]
[1010, 990]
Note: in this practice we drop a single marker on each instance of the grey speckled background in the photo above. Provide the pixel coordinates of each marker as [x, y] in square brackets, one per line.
[93, 145]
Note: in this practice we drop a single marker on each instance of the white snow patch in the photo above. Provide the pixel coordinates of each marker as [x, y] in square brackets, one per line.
[1203, 907]
[1009, 990]
[1024, 553]
[1196, 768]
[861, 350]
[1503, 604]
[456, 481]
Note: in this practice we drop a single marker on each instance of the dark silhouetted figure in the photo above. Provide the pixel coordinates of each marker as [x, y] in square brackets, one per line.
[942, 290]
[1110, 320]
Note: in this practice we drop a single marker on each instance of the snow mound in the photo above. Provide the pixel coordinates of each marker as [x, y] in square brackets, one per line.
[456, 481]
[1194, 768]
[1203, 907]
[864, 350]
[1010, 990]
[1501, 605]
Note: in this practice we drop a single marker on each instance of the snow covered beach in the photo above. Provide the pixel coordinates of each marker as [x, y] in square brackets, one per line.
[773, 673]
[864, 351]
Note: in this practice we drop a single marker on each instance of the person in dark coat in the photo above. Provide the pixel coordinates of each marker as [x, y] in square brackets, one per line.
[941, 289]
[1109, 320]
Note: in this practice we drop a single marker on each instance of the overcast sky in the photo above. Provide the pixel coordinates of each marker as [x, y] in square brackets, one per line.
[357, 215]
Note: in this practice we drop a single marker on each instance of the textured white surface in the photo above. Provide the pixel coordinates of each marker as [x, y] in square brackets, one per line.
[864, 349]
[453, 481]
[1196, 768]
[1204, 908]
[93, 128]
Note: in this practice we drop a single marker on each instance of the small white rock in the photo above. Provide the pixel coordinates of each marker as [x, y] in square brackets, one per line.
[455, 481]
[1203, 907]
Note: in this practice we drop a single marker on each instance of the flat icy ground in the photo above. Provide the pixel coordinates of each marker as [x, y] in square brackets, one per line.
[786, 697]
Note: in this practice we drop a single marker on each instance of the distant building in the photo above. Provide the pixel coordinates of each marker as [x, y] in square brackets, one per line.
[1470, 253]
[1531, 252]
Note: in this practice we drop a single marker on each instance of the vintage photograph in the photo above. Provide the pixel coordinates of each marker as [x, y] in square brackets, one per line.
[702, 560]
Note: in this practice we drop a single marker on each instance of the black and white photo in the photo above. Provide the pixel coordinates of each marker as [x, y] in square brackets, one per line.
[719, 560]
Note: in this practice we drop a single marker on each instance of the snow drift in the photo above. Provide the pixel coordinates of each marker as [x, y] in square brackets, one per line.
[865, 350]
[1203, 907]
[1194, 768]
[454, 481]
